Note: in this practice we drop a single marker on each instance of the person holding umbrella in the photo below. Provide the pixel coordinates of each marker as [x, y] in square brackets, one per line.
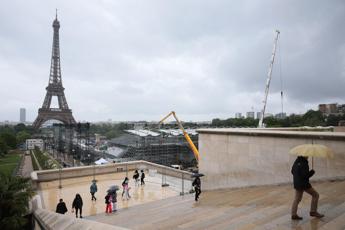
[113, 195]
[197, 185]
[301, 174]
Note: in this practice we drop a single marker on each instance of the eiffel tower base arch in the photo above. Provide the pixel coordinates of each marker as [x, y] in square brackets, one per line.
[65, 116]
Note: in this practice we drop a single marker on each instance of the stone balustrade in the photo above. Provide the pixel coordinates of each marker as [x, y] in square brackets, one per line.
[65, 173]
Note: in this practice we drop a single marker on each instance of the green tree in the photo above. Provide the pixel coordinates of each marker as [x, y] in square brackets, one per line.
[19, 127]
[272, 122]
[22, 136]
[9, 139]
[295, 120]
[313, 118]
[15, 193]
[216, 122]
[333, 120]
[3, 147]
[112, 134]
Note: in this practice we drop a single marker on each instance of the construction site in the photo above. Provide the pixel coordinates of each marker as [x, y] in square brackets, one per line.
[165, 147]
[74, 145]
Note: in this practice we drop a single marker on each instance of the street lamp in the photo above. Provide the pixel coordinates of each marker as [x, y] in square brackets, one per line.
[73, 152]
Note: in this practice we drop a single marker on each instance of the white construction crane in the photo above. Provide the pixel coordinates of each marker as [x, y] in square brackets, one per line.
[261, 124]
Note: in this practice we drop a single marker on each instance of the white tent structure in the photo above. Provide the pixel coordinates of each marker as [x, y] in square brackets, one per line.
[101, 161]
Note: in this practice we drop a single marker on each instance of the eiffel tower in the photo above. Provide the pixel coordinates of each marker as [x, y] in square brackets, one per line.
[55, 88]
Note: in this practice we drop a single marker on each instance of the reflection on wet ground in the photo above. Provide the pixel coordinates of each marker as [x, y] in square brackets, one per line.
[151, 191]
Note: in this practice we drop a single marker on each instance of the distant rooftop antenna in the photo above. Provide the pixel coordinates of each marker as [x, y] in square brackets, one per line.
[268, 81]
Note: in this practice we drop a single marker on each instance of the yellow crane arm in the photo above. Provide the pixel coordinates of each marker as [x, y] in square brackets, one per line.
[185, 134]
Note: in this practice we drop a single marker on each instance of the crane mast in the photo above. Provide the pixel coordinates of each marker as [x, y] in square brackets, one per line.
[268, 81]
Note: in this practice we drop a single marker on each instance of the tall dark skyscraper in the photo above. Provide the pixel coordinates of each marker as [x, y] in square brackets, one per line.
[22, 116]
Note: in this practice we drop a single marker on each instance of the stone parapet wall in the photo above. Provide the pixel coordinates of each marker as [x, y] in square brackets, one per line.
[65, 173]
[232, 158]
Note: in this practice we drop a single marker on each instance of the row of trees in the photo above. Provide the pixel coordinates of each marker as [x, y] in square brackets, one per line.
[310, 118]
[109, 130]
[12, 136]
[15, 192]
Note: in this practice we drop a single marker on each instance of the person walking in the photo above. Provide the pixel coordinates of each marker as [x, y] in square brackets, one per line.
[107, 203]
[93, 190]
[142, 177]
[301, 175]
[61, 207]
[78, 205]
[125, 192]
[197, 187]
[136, 177]
[114, 200]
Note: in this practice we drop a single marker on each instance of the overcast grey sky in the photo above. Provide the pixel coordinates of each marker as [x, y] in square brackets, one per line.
[138, 60]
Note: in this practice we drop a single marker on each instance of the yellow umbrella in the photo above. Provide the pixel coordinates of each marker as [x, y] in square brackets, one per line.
[312, 150]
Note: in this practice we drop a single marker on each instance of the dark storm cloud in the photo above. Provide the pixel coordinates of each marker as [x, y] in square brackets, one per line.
[136, 60]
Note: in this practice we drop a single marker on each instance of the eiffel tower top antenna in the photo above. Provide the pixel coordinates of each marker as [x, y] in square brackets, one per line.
[56, 14]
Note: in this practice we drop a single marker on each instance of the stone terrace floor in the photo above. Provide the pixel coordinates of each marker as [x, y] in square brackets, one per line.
[151, 191]
[266, 207]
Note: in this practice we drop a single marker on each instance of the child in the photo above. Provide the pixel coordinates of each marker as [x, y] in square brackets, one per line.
[107, 203]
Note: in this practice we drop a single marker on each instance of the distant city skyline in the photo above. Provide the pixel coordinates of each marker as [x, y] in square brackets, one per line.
[256, 114]
[138, 61]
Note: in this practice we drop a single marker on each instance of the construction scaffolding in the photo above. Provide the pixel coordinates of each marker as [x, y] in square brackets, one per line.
[165, 148]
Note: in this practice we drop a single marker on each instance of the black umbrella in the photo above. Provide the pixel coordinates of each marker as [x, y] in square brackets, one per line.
[113, 188]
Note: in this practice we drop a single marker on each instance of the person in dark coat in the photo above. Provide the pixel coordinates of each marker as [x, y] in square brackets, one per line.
[301, 175]
[142, 177]
[78, 205]
[93, 190]
[197, 187]
[136, 177]
[61, 207]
